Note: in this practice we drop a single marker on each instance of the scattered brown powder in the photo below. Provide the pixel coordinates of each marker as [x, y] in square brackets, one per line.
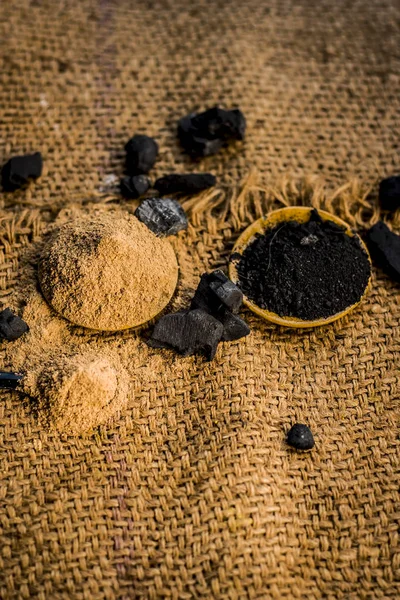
[107, 272]
[71, 372]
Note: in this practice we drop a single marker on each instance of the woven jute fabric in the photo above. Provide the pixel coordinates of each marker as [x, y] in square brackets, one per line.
[192, 492]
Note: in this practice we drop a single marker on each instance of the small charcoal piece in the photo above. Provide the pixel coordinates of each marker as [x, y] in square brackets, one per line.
[134, 187]
[219, 296]
[19, 169]
[384, 246]
[190, 183]
[163, 216]
[9, 381]
[204, 133]
[309, 270]
[11, 326]
[192, 140]
[216, 289]
[141, 154]
[188, 332]
[234, 327]
[228, 293]
[300, 437]
[389, 193]
[217, 122]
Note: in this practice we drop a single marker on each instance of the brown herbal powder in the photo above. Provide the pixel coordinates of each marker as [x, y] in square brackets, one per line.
[78, 378]
[78, 392]
[107, 272]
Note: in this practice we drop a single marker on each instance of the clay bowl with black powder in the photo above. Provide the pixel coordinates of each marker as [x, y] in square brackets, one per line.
[300, 267]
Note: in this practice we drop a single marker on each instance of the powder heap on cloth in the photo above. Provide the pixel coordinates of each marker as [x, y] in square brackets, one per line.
[76, 393]
[107, 273]
[76, 378]
[309, 270]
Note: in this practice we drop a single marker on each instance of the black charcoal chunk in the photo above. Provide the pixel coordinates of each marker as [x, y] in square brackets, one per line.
[163, 216]
[228, 293]
[389, 193]
[11, 326]
[215, 291]
[236, 123]
[134, 187]
[219, 123]
[169, 332]
[188, 183]
[188, 332]
[194, 143]
[19, 169]
[141, 154]
[204, 133]
[234, 327]
[384, 246]
[300, 437]
[9, 381]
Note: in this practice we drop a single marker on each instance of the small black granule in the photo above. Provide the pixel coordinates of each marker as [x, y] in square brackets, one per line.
[11, 326]
[141, 154]
[389, 193]
[9, 381]
[188, 183]
[202, 134]
[134, 187]
[384, 246]
[309, 270]
[300, 437]
[19, 169]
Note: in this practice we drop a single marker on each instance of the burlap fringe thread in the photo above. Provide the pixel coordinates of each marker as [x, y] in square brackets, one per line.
[251, 200]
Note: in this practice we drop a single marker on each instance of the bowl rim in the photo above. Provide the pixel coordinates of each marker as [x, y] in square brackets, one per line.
[270, 220]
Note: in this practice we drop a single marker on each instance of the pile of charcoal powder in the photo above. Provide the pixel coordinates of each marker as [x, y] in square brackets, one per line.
[309, 271]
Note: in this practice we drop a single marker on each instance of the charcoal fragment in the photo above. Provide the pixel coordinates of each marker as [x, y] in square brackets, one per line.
[228, 293]
[204, 133]
[192, 140]
[188, 183]
[389, 193]
[19, 169]
[300, 437]
[384, 246]
[214, 290]
[9, 381]
[11, 326]
[134, 187]
[219, 123]
[188, 332]
[234, 327]
[141, 154]
[163, 216]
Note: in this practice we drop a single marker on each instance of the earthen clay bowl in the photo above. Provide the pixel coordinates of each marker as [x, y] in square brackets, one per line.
[291, 213]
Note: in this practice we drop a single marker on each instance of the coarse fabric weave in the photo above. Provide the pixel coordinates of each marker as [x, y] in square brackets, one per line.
[192, 491]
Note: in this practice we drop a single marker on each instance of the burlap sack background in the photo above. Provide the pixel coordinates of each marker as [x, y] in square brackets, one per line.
[192, 493]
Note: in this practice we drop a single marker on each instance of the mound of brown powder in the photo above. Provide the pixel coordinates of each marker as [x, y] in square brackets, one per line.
[107, 272]
[73, 394]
